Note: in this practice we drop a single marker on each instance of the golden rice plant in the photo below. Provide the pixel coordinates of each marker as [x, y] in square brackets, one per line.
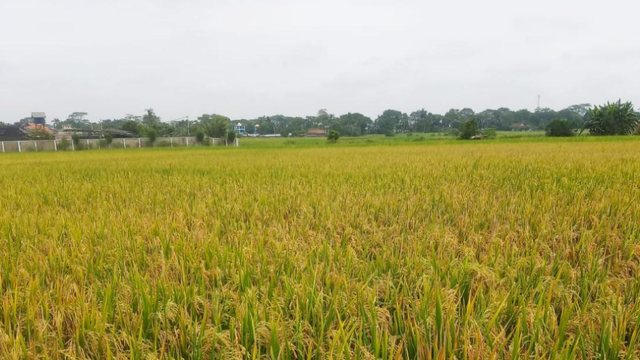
[470, 251]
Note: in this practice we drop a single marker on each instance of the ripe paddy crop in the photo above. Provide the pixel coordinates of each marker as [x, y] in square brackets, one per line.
[466, 250]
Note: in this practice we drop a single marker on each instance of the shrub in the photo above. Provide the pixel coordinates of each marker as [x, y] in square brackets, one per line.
[559, 128]
[333, 136]
[108, 138]
[199, 136]
[76, 141]
[64, 145]
[40, 134]
[231, 136]
[164, 143]
[152, 136]
[468, 129]
[389, 133]
[489, 133]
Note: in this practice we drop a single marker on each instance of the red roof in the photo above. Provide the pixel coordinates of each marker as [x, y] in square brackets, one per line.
[32, 126]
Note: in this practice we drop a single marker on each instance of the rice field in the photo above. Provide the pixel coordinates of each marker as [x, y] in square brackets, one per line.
[479, 250]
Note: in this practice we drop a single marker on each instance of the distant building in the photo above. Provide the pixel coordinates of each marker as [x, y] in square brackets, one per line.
[239, 129]
[520, 126]
[35, 126]
[12, 133]
[67, 132]
[316, 133]
[39, 118]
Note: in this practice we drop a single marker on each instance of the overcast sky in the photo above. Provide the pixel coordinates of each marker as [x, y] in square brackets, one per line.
[246, 58]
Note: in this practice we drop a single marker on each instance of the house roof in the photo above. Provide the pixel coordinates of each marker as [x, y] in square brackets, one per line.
[11, 133]
[316, 131]
[38, 115]
[32, 126]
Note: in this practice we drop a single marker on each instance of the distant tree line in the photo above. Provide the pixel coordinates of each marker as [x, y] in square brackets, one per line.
[616, 118]
[392, 122]
[389, 123]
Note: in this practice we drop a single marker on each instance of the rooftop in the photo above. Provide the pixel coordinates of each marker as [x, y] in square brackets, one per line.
[32, 126]
[12, 133]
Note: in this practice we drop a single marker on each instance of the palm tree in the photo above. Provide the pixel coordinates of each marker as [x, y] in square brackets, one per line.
[611, 119]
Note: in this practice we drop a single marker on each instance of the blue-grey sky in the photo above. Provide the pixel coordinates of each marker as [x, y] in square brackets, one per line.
[247, 58]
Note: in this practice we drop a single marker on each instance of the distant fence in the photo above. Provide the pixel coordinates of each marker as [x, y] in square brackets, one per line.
[124, 143]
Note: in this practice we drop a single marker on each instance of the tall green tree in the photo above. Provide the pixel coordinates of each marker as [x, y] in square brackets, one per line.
[290, 125]
[352, 124]
[611, 119]
[215, 126]
[323, 117]
[418, 121]
[76, 120]
[455, 117]
[468, 129]
[151, 119]
[389, 122]
[130, 126]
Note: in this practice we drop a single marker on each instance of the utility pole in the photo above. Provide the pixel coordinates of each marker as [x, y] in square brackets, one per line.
[538, 103]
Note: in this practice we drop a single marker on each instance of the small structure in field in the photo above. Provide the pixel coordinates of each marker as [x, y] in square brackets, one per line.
[520, 126]
[316, 133]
